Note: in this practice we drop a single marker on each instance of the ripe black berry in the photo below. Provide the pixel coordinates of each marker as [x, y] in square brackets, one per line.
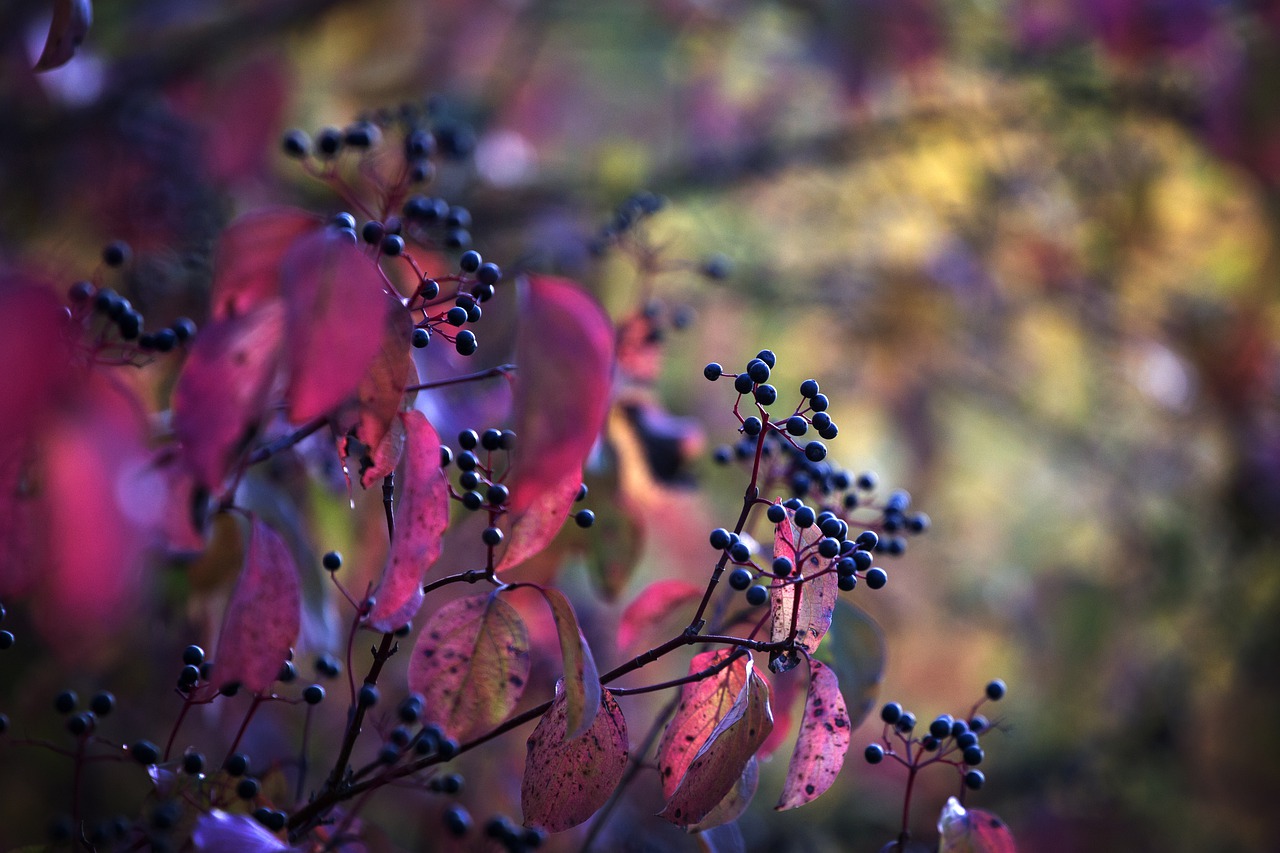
[332, 561]
[781, 566]
[247, 788]
[752, 426]
[797, 425]
[846, 583]
[979, 724]
[815, 451]
[102, 703]
[237, 764]
[78, 724]
[65, 702]
[739, 552]
[328, 666]
[876, 578]
[973, 755]
[891, 713]
[740, 579]
[6, 640]
[867, 540]
[974, 779]
[996, 690]
[874, 753]
[328, 142]
[192, 763]
[116, 253]
[809, 388]
[776, 514]
[457, 821]
[804, 517]
[941, 727]
[819, 402]
[584, 518]
[145, 752]
[720, 539]
[758, 370]
[906, 722]
[392, 245]
[313, 695]
[470, 261]
[964, 740]
[466, 343]
[766, 395]
[742, 383]
[767, 357]
[712, 371]
[757, 595]
[491, 536]
[296, 143]
[410, 709]
[368, 696]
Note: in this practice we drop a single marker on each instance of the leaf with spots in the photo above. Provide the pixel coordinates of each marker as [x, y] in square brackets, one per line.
[814, 600]
[736, 801]
[581, 678]
[378, 399]
[470, 665]
[653, 605]
[856, 652]
[246, 263]
[972, 831]
[421, 516]
[564, 356]
[335, 312]
[263, 616]
[720, 762]
[567, 779]
[221, 394]
[822, 742]
[703, 704]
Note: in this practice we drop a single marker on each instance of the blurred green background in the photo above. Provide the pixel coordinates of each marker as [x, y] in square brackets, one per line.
[1029, 249]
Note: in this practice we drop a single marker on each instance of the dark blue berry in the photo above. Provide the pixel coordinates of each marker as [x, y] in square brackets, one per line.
[489, 274]
[713, 371]
[332, 561]
[498, 494]
[328, 142]
[929, 742]
[79, 724]
[392, 245]
[247, 788]
[368, 696]
[974, 779]
[328, 666]
[757, 595]
[874, 753]
[797, 425]
[829, 432]
[6, 640]
[429, 288]
[584, 518]
[720, 539]
[752, 426]
[717, 267]
[742, 383]
[891, 713]
[102, 703]
[421, 337]
[296, 143]
[457, 821]
[867, 540]
[846, 583]
[819, 402]
[828, 548]
[758, 370]
[373, 232]
[907, 722]
[776, 514]
[973, 755]
[804, 517]
[237, 764]
[456, 316]
[184, 329]
[808, 388]
[491, 536]
[979, 724]
[740, 579]
[446, 456]
[964, 740]
[410, 709]
[470, 261]
[767, 357]
[116, 253]
[145, 752]
[996, 690]
[876, 578]
[941, 727]
[193, 763]
[313, 695]
[473, 500]
[465, 343]
[766, 395]
[467, 461]
[815, 451]
[831, 526]
[739, 552]
[65, 702]
[781, 566]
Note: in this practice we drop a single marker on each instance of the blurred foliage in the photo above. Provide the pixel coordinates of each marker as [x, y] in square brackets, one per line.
[1028, 248]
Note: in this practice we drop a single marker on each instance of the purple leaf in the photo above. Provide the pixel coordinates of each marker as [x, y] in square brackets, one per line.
[581, 678]
[421, 518]
[246, 265]
[379, 395]
[470, 665]
[972, 831]
[703, 704]
[564, 356]
[335, 312]
[815, 599]
[653, 605]
[720, 762]
[263, 616]
[822, 742]
[567, 779]
[221, 393]
[71, 22]
[220, 832]
[736, 801]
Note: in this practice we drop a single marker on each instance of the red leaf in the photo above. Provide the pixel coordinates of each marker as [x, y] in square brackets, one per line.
[335, 311]
[564, 356]
[249, 255]
[221, 394]
[654, 604]
[379, 395]
[263, 616]
[421, 518]
[972, 831]
[581, 678]
[785, 691]
[471, 665]
[703, 704]
[719, 764]
[19, 523]
[99, 505]
[567, 779]
[71, 22]
[736, 801]
[815, 599]
[35, 349]
[822, 743]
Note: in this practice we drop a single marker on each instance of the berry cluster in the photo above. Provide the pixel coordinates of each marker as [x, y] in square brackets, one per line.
[951, 739]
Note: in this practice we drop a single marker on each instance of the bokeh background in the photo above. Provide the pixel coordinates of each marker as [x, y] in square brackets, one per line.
[1029, 249]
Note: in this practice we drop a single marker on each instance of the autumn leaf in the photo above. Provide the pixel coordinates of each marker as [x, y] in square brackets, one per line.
[720, 762]
[652, 605]
[470, 665]
[564, 358]
[703, 704]
[815, 599]
[581, 678]
[422, 515]
[736, 801]
[379, 396]
[263, 616]
[822, 742]
[972, 831]
[567, 779]
[248, 258]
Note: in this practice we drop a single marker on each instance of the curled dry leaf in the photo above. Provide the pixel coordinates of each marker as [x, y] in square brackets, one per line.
[736, 801]
[221, 394]
[581, 678]
[720, 762]
[263, 616]
[422, 515]
[567, 779]
[67, 30]
[703, 704]
[822, 742]
[564, 356]
[470, 665]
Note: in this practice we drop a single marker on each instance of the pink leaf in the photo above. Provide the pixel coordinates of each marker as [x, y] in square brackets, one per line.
[972, 831]
[219, 832]
[564, 356]
[470, 665]
[421, 516]
[35, 349]
[581, 678]
[703, 704]
[379, 395]
[19, 523]
[221, 394]
[815, 599]
[263, 616]
[654, 604]
[71, 22]
[567, 779]
[720, 762]
[822, 743]
[736, 801]
[247, 262]
[335, 312]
